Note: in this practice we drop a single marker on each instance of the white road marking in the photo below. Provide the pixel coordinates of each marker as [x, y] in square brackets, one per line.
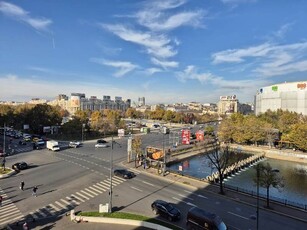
[243, 217]
[202, 196]
[185, 196]
[136, 189]
[80, 194]
[148, 183]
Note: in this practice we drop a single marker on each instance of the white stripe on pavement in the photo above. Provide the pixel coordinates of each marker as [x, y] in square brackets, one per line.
[80, 194]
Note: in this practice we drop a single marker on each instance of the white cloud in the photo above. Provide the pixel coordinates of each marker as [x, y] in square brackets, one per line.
[151, 71]
[157, 45]
[267, 59]
[164, 64]
[124, 67]
[157, 21]
[20, 14]
[238, 55]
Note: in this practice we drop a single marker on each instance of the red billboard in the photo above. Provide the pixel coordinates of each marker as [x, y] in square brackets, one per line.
[185, 136]
[200, 135]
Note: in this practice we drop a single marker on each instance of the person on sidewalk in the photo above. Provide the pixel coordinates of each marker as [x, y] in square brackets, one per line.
[22, 185]
[25, 226]
[1, 198]
[34, 191]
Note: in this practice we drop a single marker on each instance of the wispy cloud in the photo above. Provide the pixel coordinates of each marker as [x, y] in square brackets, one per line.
[163, 22]
[157, 45]
[268, 59]
[282, 30]
[164, 64]
[151, 71]
[20, 14]
[207, 78]
[124, 67]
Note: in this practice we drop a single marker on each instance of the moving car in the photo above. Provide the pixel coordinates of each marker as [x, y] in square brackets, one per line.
[74, 144]
[101, 144]
[166, 210]
[200, 219]
[20, 165]
[124, 173]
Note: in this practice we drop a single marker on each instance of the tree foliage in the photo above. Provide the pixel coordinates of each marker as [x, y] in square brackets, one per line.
[268, 177]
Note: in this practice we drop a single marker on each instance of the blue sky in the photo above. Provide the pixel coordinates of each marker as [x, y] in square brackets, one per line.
[167, 51]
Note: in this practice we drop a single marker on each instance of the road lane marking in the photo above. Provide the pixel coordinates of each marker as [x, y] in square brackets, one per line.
[40, 212]
[89, 194]
[202, 196]
[188, 203]
[95, 189]
[59, 204]
[66, 202]
[76, 198]
[136, 189]
[72, 200]
[57, 209]
[98, 187]
[185, 196]
[243, 217]
[148, 183]
[103, 186]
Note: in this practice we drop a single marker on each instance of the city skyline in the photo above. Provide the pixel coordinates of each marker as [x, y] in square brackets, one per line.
[166, 51]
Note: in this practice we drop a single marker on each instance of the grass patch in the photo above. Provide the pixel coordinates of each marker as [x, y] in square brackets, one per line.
[5, 171]
[130, 216]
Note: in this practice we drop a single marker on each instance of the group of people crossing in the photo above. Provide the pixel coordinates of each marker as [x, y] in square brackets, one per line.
[34, 189]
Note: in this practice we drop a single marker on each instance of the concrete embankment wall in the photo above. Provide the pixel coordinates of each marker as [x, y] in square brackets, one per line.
[284, 154]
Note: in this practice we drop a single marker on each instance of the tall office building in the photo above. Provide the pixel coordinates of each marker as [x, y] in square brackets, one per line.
[290, 96]
[141, 101]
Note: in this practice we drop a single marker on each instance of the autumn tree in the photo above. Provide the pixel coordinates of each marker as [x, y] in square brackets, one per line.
[137, 148]
[219, 157]
[297, 135]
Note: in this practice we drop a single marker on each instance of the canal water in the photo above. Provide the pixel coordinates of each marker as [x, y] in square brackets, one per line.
[294, 174]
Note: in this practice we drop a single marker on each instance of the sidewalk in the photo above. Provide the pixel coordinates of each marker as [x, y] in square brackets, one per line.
[278, 208]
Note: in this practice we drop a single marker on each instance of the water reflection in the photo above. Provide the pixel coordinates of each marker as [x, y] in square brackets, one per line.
[295, 175]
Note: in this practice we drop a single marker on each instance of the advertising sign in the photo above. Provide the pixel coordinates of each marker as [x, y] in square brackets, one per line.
[200, 135]
[185, 136]
[46, 129]
[121, 132]
[26, 126]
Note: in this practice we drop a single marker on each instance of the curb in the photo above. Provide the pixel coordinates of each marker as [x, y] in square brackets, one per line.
[136, 223]
[13, 172]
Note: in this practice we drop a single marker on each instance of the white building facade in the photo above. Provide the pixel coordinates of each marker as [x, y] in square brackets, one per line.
[290, 96]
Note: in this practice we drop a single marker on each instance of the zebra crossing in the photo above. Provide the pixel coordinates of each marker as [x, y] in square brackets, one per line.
[9, 212]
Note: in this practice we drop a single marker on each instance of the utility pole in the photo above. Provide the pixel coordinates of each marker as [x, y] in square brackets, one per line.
[82, 137]
[164, 157]
[111, 169]
[4, 140]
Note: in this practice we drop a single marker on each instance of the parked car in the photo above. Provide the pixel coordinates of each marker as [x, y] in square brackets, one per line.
[74, 144]
[166, 210]
[124, 173]
[101, 141]
[20, 165]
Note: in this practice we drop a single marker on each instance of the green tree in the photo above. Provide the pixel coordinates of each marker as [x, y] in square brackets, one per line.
[268, 177]
[297, 135]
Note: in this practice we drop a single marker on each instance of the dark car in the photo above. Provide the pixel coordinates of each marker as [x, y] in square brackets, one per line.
[124, 173]
[166, 210]
[20, 165]
[101, 141]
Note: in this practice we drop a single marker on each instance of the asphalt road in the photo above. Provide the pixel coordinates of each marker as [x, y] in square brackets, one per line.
[79, 179]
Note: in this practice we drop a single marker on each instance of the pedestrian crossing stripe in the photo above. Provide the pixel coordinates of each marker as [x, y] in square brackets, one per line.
[72, 200]
[57, 209]
[114, 182]
[58, 203]
[90, 191]
[95, 189]
[103, 185]
[40, 212]
[118, 179]
[77, 198]
[80, 194]
[84, 192]
[98, 187]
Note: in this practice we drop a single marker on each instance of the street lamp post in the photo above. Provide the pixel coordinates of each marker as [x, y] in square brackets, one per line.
[4, 140]
[82, 137]
[111, 169]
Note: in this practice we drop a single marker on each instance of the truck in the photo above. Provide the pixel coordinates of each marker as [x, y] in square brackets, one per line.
[53, 145]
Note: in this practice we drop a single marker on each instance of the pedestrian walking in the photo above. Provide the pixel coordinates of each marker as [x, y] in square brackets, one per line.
[1, 198]
[34, 191]
[25, 226]
[22, 185]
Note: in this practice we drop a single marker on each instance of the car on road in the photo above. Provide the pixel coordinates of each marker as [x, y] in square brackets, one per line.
[20, 165]
[124, 173]
[166, 210]
[101, 144]
[74, 144]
